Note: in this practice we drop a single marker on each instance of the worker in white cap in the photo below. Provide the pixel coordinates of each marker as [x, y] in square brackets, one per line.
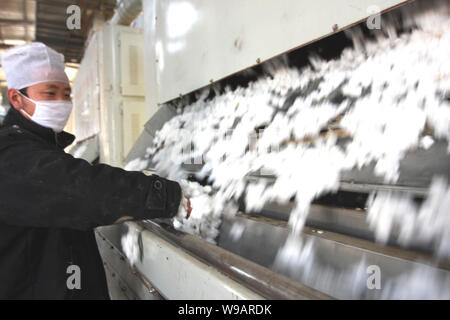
[38, 86]
[50, 202]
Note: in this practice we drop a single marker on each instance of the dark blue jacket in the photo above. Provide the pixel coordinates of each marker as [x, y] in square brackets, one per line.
[50, 202]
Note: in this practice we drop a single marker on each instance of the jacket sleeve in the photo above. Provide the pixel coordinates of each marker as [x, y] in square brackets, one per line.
[50, 188]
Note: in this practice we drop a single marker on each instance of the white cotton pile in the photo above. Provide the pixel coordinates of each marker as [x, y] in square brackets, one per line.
[426, 142]
[427, 223]
[203, 222]
[407, 83]
[393, 89]
[130, 245]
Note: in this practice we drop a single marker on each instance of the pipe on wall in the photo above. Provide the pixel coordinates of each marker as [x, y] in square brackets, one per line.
[126, 12]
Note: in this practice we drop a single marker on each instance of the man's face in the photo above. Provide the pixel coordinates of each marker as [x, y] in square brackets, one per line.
[38, 92]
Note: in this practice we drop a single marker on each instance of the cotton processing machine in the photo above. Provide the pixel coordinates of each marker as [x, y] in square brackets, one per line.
[313, 139]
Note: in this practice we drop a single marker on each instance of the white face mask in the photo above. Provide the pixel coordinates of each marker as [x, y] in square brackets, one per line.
[52, 114]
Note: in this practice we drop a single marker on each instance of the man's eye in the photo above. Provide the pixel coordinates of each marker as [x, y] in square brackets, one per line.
[50, 93]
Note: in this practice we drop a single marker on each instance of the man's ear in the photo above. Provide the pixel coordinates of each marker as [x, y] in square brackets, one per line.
[16, 99]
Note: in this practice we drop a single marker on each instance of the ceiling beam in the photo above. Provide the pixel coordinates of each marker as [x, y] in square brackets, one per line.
[81, 4]
[15, 22]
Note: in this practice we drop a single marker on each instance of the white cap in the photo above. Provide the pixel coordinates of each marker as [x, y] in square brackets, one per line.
[32, 63]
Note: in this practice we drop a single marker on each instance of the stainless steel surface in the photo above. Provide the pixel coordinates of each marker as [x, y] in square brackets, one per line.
[124, 281]
[369, 187]
[348, 222]
[417, 169]
[269, 284]
[174, 272]
[336, 256]
[220, 38]
[336, 268]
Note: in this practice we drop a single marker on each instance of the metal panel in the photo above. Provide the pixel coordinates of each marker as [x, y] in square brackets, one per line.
[124, 282]
[133, 121]
[417, 168]
[344, 221]
[189, 43]
[131, 63]
[106, 92]
[157, 121]
[175, 273]
[261, 280]
[86, 94]
[335, 257]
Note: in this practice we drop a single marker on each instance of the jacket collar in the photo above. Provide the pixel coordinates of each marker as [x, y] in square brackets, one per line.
[62, 139]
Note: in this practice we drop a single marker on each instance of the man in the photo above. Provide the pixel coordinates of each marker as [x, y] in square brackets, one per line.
[50, 202]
